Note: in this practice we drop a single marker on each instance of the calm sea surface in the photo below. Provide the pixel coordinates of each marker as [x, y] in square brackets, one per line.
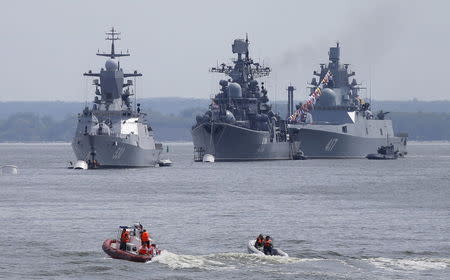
[337, 219]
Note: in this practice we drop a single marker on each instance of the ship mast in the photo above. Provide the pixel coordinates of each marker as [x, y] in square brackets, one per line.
[112, 36]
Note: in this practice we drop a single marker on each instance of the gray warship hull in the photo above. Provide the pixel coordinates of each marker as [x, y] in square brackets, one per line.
[229, 142]
[110, 151]
[328, 141]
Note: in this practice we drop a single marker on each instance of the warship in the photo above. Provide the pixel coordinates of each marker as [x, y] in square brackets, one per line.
[339, 123]
[114, 133]
[240, 124]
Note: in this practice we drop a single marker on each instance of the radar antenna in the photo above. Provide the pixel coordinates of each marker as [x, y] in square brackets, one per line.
[112, 36]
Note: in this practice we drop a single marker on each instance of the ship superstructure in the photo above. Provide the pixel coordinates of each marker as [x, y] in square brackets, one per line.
[113, 132]
[240, 124]
[336, 122]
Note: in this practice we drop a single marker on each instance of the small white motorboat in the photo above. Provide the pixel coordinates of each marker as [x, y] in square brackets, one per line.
[253, 250]
[165, 162]
[208, 158]
[80, 164]
[8, 169]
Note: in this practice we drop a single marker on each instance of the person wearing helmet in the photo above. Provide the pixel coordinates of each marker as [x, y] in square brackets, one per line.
[259, 242]
[268, 246]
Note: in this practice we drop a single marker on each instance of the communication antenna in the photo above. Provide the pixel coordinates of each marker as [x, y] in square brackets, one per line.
[370, 84]
[135, 94]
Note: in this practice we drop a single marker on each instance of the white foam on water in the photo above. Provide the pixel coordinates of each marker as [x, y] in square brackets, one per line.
[253, 258]
[410, 264]
[223, 261]
[175, 261]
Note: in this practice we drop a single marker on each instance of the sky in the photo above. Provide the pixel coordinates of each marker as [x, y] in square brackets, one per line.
[398, 49]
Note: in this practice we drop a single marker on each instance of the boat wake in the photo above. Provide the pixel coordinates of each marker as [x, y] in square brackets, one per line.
[415, 264]
[221, 261]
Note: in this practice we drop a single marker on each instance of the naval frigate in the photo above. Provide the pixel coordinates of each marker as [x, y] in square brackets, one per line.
[240, 124]
[340, 124]
[114, 133]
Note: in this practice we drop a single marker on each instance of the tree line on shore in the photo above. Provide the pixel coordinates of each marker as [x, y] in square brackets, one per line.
[32, 127]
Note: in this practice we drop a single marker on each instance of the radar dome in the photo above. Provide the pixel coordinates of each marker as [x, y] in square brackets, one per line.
[234, 90]
[111, 65]
[328, 98]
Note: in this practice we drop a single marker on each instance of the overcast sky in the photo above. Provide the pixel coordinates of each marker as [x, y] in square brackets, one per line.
[401, 48]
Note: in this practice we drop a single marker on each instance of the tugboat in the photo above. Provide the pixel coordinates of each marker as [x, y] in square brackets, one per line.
[113, 133]
[240, 124]
[384, 152]
[336, 122]
[133, 249]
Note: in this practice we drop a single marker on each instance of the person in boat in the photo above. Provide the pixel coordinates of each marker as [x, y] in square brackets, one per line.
[154, 249]
[268, 246]
[259, 241]
[145, 238]
[144, 250]
[124, 239]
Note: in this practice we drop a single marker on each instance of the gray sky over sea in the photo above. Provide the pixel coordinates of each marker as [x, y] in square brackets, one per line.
[400, 48]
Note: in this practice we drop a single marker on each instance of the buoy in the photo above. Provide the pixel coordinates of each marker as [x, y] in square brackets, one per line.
[8, 169]
[208, 158]
[80, 164]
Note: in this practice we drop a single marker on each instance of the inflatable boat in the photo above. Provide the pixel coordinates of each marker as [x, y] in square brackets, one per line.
[132, 250]
[253, 250]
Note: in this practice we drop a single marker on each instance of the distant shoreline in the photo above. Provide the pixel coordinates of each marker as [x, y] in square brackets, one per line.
[187, 143]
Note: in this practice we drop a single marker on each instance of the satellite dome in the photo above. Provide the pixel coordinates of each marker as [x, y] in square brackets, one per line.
[111, 65]
[234, 90]
[328, 98]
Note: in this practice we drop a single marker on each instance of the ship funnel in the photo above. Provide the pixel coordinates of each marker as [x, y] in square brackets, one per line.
[334, 53]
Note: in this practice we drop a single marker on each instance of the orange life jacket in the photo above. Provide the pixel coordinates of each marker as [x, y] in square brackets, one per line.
[259, 241]
[145, 236]
[268, 243]
[125, 237]
[143, 250]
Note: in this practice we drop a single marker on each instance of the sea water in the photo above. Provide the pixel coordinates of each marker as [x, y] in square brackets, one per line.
[337, 219]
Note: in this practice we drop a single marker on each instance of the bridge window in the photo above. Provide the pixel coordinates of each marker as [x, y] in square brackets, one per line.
[344, 129]
[381, 131]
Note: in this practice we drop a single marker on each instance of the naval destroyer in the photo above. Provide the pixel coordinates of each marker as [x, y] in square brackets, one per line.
[336, 122]
[240, 124]
[114, 133]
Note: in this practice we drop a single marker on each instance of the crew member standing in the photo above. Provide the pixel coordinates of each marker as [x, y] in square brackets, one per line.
[145, 238]
[124, 239]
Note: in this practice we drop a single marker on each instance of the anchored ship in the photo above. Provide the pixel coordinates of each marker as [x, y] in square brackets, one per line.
[240, 124]
[114, 133]
[336, 122]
